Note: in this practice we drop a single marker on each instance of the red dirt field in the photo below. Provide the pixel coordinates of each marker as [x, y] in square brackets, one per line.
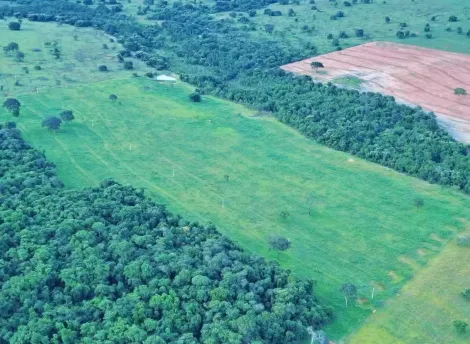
[415, 75]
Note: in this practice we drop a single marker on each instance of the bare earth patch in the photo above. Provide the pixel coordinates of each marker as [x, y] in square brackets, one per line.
[413, 75]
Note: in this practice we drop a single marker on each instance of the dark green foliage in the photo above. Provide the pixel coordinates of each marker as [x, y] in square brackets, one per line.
[52, 123]
[453, 18]
[279, 243]
[67, 116]
[195, 97]
[37, 67]
[12, 46]
[460, 326]
[107, 265]
[317, 64]
[128, 65]
[459, 91]
[13, 105]
[466, 294]
[103, 68]
[14, 26]
[113, 97]
[19, 56]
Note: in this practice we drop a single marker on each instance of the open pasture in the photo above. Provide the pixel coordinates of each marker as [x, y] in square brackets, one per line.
[348, 220]
[427, 305]
[81, 52]
[415, 75]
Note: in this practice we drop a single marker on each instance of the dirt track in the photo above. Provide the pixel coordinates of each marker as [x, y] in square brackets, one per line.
[421, 76]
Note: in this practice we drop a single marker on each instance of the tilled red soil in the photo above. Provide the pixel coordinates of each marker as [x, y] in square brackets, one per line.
[420, 76]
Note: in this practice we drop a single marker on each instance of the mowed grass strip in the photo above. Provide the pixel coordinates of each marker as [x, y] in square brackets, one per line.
[426, 307]
[363, 225]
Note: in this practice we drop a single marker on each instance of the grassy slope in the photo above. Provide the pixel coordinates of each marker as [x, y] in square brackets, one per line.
[426, 307]
[363, 229]
[370, 17]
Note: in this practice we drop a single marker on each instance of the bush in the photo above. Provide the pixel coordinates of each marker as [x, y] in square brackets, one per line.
[460, 326]
[460, 91]
[195, 97]
[103, 68]
[463, 240]
[14, 26]
[128, 65]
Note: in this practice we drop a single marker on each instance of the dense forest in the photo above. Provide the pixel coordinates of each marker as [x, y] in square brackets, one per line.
[227, 61]
[108, 265]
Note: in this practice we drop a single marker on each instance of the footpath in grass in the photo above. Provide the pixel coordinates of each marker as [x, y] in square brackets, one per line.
[426, 307]
[349, 221]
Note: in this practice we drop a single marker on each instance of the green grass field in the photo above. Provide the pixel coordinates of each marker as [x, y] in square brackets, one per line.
[78, 64]
[426, 307]
[370, 17]
[363, 228]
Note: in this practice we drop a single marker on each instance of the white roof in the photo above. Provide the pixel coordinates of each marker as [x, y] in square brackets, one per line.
[165, 78]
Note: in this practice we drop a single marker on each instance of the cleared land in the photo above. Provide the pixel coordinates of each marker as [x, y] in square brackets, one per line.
[426, 307]
[415, 75]
[363, 228]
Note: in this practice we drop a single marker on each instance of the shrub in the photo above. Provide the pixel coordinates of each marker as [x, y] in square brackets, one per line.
[460, 91]
[463, 240]
[14, 26]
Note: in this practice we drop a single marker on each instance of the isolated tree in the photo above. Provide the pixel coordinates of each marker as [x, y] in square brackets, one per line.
[14, 26]
[316, 64]
[349, 291]
[113, 97]
[269, 28]
[468, 33]
[459, 30]
[226, 177]
[279, 243]
[252, 13]
[12, 46]
[460, 91]
[460, 326]
[291, 12]
[359, 32]
[453, 18]
[13, 105]
[19, 56]
[429, 35]
[37, 67]
[67, 116]
[387, 19]
[128, 65]
[52, 123]
[195, 97]
[103, 68]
